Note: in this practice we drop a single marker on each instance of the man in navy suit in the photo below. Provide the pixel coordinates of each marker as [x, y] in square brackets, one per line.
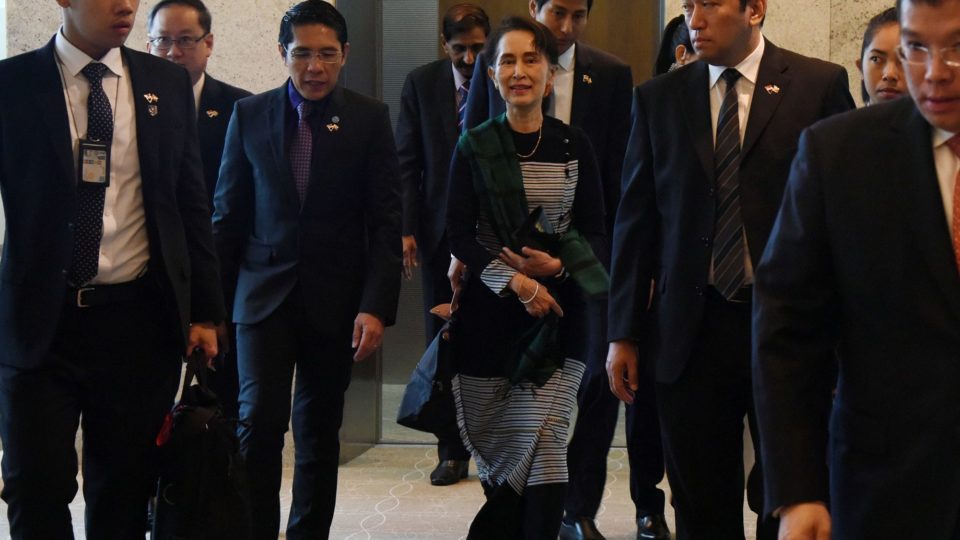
[709, 154]
[307, 225]
[432, 104]
[862, 271]
[179, 30]
[108, 275]
[592, 92]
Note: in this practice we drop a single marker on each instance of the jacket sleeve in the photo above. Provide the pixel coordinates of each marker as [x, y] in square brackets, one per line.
[410, 152]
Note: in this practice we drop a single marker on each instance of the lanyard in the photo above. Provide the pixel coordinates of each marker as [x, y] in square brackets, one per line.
[73, 119]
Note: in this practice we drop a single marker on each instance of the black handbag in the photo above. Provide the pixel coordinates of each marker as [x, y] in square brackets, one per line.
[427, 403]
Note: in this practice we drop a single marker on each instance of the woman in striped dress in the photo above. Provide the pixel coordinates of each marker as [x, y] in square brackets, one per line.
[520, 335]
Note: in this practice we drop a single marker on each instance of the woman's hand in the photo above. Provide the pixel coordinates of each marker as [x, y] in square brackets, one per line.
[536, 299]
[532, 262]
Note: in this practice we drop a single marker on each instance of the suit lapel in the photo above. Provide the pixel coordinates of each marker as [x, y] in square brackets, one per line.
[696, 112]
[772, 83]
[148, 141]
[582, 85]
[53, 110]
[326, 144]
[446, 103]
[925, 214]
[277, 135]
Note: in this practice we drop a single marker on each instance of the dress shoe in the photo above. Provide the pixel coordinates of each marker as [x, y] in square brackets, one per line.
[579, 529]
[449, 472]
[653, 527]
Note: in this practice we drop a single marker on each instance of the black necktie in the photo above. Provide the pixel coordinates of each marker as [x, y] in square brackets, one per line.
[90, 196]
[729, 273]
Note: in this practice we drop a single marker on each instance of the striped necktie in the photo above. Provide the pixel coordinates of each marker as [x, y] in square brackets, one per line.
[954, 144]
[729, 273]
[90, 196]
[462, 92]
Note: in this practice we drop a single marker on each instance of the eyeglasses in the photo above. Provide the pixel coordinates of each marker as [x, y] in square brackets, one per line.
[303, 56]
[185, 43]
[918, 55]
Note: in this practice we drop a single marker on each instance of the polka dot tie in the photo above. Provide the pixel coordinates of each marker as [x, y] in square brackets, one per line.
[90, 196]
[954, 144]
[301, 150]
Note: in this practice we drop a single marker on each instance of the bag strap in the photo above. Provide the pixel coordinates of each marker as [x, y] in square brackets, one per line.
[196, 368]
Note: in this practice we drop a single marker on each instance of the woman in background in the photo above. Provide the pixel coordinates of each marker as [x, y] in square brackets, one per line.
[879, 65]
[676, 50]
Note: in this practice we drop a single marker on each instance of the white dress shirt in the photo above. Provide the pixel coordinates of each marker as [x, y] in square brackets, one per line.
[124, 247]
[948, 164]
[749, 67]
[561, 103]
[197, 90]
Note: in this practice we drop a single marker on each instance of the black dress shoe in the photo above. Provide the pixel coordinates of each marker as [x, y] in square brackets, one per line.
[579, 529]
[653, 527]
[449, 472]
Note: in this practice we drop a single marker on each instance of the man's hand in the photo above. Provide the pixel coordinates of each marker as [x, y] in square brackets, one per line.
[455, 275]
[805, 521]
[622, 360]
[409, 256]
[367, 335]
[532, 262]
[203, 335]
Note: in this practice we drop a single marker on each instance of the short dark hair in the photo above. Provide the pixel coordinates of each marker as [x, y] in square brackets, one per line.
[203, 14]
[463, 18]
[676, 33]
[899, 5]
[543, 40]
[312, 12]
[885, 17]
[540, 4]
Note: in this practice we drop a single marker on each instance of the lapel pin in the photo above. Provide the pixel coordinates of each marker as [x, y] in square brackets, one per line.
[332, 127]
[772, 89]
[152, 110]
[151, 98]
[587, 79]
[335, 119]
[212, 113]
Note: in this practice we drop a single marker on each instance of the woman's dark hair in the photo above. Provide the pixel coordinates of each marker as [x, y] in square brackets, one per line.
[676, 33]
[312, 12]
[885, 17]
[543, 38]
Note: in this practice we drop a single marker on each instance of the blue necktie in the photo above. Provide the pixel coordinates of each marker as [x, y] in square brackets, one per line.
[90, 196]
[729, 273]
[463, 92]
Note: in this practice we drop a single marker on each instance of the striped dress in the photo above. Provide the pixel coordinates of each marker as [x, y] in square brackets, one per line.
[517, 434]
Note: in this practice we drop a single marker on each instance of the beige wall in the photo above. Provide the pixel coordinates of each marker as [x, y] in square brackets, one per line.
[245, 47]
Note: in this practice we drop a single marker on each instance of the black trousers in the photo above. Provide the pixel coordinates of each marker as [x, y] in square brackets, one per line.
[436, 290]
[268, 353]
[113, 369]
[597, 414]
[507, 515]
[702, 423]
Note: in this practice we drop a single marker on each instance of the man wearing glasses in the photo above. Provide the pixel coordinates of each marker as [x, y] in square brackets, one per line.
[862, 269]
[179, 30]
[307, 227]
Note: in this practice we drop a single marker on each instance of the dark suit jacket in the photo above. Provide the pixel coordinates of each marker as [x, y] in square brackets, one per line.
[216, 105]
[38, 181]
[601, 108]
[665, 222]
[343, 247]
[860, 268]
[426, 138]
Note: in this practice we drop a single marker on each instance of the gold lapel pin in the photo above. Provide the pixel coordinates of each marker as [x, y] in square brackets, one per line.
[772, 89]
[151, 98]
[212, 113]
[333, 127]
[587, 79]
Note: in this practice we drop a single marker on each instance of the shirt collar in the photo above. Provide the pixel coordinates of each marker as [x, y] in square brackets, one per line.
[566, 59]
[749, 67]
[458, 78]
[941, 136]
[74, 60]
[296, 99]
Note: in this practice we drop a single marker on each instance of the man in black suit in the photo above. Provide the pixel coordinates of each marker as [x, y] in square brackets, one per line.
[861, 272]
[709, 154]
[108, 275]
[592, 91]
[179, 30]
[432, 103]
[307, 225]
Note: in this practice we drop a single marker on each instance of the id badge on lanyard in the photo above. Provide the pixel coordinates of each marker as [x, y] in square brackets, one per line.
[94, 163]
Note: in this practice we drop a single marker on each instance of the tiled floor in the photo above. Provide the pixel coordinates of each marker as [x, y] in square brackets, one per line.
[385, 494]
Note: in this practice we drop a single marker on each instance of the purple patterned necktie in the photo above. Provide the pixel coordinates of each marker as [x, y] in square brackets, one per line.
[89, 227]
[463, 91]
[301, 150]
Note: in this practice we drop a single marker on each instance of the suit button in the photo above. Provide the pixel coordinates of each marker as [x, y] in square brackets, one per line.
[705, 240]
[711, 191]
[64, 271]
[70, 225]
[699, 290]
